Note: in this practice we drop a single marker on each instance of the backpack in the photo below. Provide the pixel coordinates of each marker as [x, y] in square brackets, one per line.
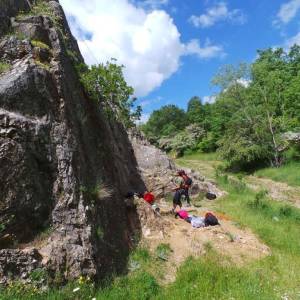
[210, 196]
[210, 220]
[188, 181]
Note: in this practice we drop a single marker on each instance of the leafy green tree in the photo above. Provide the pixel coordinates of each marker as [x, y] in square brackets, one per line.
[105, 84]
[262, 110]
[166, 121]
[195, 111]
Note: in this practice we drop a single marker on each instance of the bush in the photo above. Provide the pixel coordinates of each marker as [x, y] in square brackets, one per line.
[259, 200]
[292, 154]
[40, 44]
[185, 140]
[4, 67]
[105, 84]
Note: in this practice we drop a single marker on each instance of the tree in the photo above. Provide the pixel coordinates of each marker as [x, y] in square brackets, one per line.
[195, 111]
[259, 114]
[186, 139]
[269, 75]
[105, 84]
[166, 121]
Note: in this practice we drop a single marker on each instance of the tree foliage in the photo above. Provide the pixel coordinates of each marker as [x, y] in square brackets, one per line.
[256, 105]
[105, 84]
[166, 121]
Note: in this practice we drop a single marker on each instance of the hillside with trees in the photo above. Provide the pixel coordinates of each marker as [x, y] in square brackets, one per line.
[256, 107]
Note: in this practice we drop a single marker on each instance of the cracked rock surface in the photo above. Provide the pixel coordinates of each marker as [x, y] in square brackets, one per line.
[56, 147]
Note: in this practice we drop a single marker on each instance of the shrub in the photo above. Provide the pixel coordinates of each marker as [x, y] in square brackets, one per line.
[40, 44]
[106, 85]
[4, 67]
[41, 7]
[259, 200]
[163, 251]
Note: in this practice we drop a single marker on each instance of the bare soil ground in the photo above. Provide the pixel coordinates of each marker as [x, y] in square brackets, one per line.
[239, 245]
[277, 190]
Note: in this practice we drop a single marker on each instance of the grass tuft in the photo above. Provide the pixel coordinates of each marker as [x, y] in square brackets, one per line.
[4, 67]
[40, 44]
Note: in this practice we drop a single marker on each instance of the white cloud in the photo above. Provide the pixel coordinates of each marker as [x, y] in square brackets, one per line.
[146, 42]
[244, 82]
[293, 40]
[207, 51]
[287, 12]
[217, 13]
[153, 4]
[144, 118]
[209, 99]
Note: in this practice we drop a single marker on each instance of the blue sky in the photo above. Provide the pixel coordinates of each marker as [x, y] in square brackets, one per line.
[173, 48]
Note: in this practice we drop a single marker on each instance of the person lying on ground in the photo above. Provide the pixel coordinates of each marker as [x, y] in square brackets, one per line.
[181, 213]
[208, 220]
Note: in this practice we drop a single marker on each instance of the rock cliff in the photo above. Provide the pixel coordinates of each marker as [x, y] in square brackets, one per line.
[64, 166]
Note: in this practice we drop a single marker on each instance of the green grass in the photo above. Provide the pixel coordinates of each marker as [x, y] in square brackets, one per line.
[41, 8]
[45, 66]
[40, 44]
[4, 67]
[213, 156]
[289, 173]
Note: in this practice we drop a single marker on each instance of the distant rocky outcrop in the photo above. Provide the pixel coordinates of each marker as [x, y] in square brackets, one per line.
[159, 171]
[292, 137]
[64, 166]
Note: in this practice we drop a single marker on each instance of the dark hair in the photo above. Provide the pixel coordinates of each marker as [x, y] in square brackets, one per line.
[181, 172]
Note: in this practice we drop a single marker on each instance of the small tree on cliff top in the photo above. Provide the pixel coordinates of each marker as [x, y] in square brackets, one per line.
[105, 83]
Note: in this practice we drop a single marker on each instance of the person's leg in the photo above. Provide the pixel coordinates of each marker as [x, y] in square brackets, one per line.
[187, 196]
[188, 219]
[176, 199]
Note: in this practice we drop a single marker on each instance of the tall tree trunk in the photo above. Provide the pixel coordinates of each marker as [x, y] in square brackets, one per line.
[275, 146]
[276, 153]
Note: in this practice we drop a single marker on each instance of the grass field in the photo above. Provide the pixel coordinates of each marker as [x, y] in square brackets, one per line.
[289, 173]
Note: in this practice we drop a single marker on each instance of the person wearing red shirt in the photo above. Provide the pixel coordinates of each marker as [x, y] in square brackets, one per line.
[149, 197]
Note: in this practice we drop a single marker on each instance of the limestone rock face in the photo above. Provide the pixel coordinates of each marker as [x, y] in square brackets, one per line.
[159, 170]
[63, 164]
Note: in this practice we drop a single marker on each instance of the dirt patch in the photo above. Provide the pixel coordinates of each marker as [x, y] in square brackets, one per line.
[276, 190]
[239, 245]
